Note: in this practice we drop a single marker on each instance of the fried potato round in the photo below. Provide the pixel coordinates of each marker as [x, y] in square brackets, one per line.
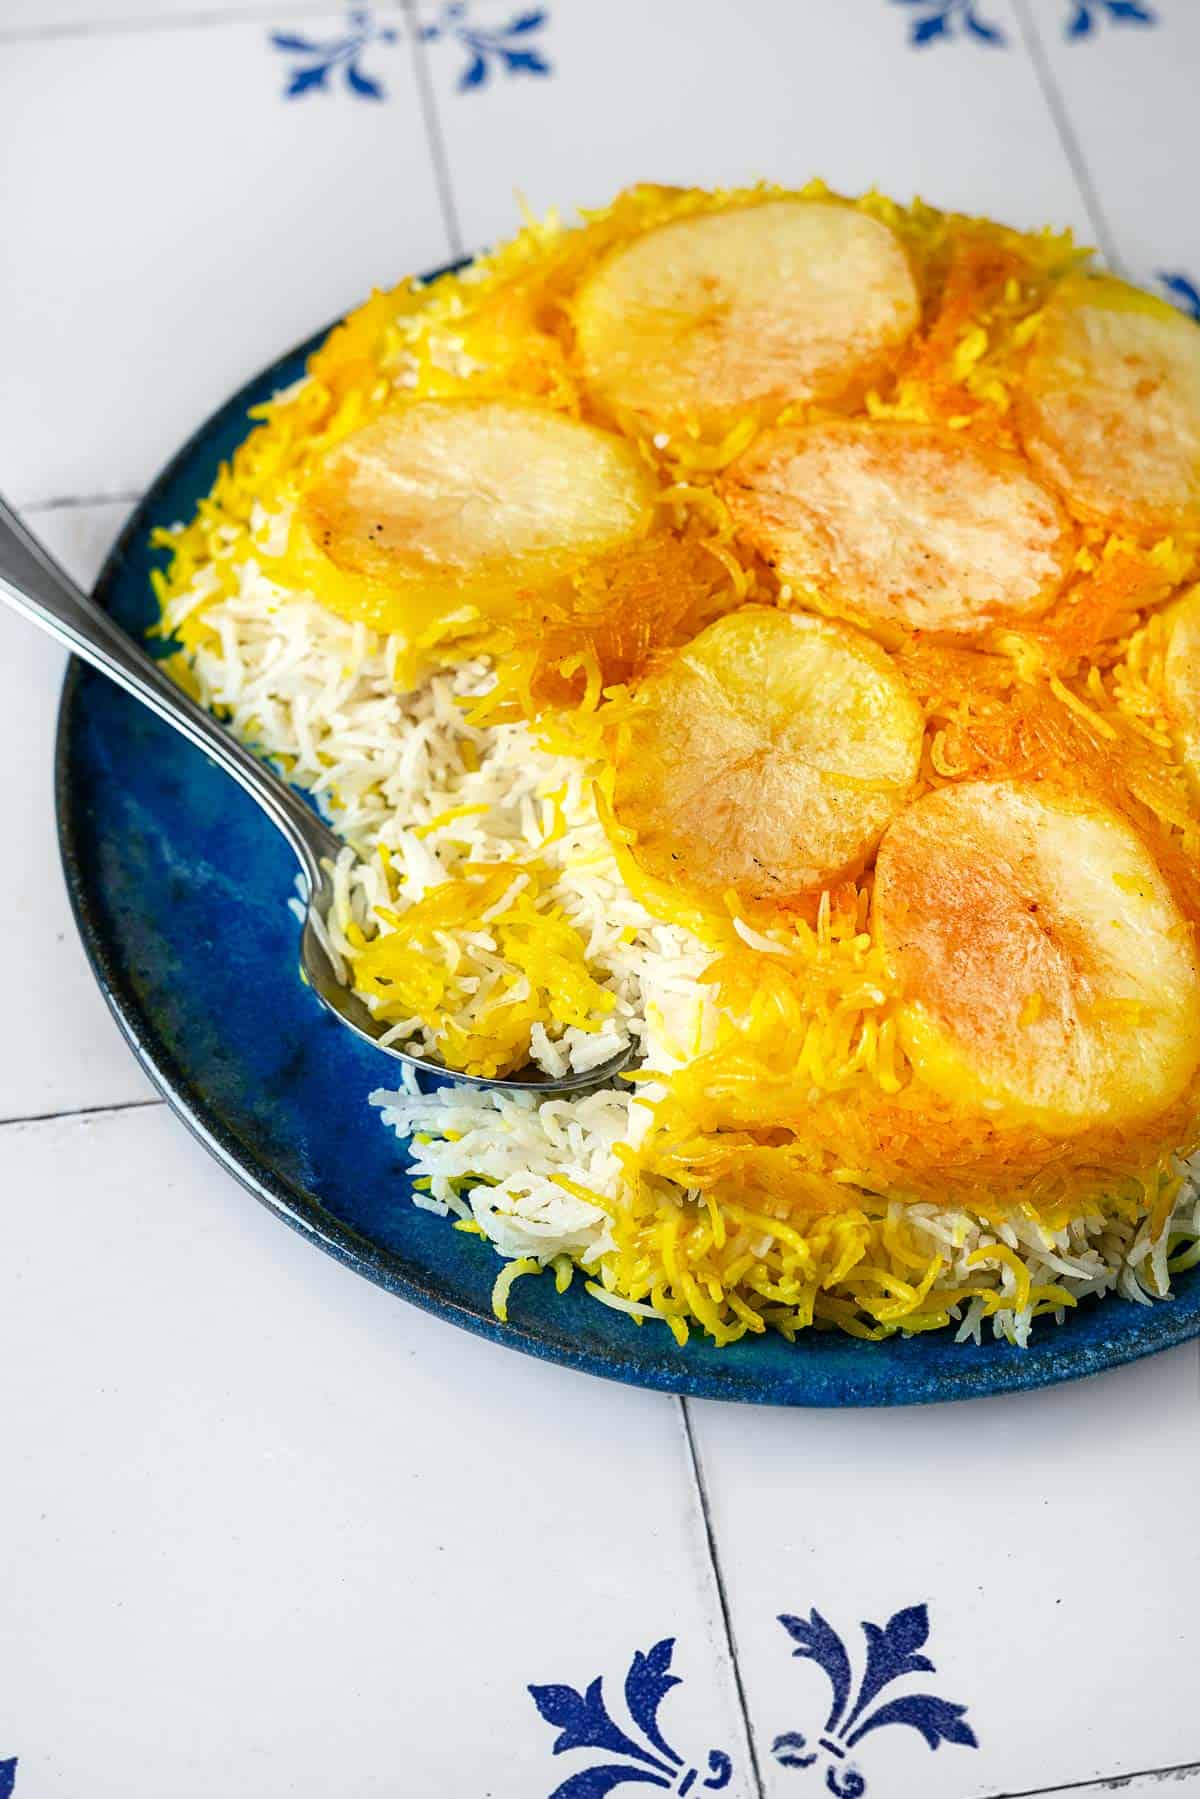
[470, 498]
[752, 307]
[1049, 973]
[1111, 405]
[902, 524]
[767, 756]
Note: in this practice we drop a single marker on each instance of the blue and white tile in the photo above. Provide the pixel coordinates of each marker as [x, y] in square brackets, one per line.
[1033, 1557]
[740, 90]
[1124, 72]
[59, 1048]
[181, 218]
[280, 1533]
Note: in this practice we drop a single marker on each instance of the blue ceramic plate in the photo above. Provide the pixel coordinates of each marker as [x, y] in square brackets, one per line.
[179, 888]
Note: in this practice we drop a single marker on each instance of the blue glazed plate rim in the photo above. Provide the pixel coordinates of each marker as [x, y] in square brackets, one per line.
[822, 1370]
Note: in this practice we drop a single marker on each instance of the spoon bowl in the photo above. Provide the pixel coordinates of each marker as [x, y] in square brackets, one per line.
[357, 1016]
[35, 586]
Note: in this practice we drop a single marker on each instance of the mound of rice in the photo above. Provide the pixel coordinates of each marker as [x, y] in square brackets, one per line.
[490, 911]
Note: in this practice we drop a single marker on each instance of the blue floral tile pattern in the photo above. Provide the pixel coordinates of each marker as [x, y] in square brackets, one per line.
[513, 48]
[1183, 291]
[931, 21]
[1086, 15]
[583, 1722]
[320, 60]
[508, 47]
[893, 1651]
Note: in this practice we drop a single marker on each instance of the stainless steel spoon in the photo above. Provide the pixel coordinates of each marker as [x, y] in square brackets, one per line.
[32, 582]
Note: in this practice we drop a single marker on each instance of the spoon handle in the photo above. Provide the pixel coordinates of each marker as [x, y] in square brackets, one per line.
[35, 586]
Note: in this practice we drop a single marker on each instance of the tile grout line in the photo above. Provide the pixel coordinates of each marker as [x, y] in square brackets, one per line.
[1105, 1783]
[202, 17]
[714, 1561]
[433, 128]
[72, 501]
[119, 1105]
[1066, 134]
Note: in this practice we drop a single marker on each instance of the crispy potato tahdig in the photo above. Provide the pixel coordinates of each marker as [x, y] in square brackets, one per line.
[461, 502]
[772, 642]
[1049, 974]
[901, 524]
[750, 307]
[1110, 406]
[767, 756]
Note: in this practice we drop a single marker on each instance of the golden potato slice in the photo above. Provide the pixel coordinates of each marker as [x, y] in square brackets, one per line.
[1111, 405]
[1049, 974]
[767, 756]
[901, 523]
[466, 499]
[756, 306]
[1181, 678]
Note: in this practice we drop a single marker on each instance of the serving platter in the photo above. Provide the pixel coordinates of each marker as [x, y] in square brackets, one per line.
[179, 888]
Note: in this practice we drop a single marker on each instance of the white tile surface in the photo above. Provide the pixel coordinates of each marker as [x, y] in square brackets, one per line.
[1050, 1536]
[177, 224]
[271, 1532]
[1172, 1783]
[27, 18]
[59, 1049]
[1129, 96]
[267, 1531]
[647, 93]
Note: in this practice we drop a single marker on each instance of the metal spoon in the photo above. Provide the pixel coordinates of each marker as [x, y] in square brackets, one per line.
[32, 582]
